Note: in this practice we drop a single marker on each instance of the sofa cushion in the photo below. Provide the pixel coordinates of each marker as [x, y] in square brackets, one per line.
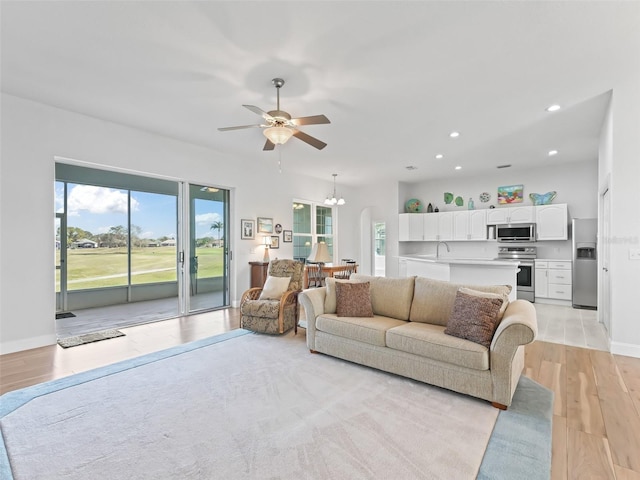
[353, 300]
[371, 330]
[430, 341]
[433, 299]
[261, 308]
[474, 318]
[390, 297]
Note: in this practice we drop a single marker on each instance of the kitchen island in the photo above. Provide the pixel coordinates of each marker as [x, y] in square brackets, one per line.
[478, 271]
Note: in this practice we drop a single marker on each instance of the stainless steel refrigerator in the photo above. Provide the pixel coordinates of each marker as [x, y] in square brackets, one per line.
[585, 263]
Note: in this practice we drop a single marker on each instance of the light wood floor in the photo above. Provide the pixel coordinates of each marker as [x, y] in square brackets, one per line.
[596, 424]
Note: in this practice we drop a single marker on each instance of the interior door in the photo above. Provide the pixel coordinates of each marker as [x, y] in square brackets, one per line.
[208, 248]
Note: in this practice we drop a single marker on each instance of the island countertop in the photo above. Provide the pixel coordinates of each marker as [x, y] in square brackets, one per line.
[467, 271]
[462, 261]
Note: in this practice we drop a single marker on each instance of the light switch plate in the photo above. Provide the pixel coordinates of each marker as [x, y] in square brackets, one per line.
[634, 254]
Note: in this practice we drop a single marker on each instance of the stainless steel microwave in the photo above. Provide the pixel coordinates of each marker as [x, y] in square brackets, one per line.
[516, 232]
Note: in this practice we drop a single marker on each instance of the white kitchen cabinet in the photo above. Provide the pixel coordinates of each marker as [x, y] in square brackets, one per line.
[541, 279]
[445, 226]
[552, 222]
[553, 279]
[430, 227]
[410, 226]
[470, 225]
[525, 214]
[496, 216]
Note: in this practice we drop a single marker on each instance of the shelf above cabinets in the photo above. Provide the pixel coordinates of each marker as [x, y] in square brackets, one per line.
[471, 225]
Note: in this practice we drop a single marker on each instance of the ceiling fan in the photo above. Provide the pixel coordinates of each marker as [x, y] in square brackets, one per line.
[280, 127]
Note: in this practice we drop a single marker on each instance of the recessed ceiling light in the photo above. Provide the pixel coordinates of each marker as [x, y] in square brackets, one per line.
[411, 167]
[458, 167]
[553, 152]
[553, 108]
[439, 156]
[454, 134]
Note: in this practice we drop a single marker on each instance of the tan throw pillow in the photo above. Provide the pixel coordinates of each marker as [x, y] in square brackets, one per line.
[477, 293]
[274, 287]
[353, 300]
[474, 318]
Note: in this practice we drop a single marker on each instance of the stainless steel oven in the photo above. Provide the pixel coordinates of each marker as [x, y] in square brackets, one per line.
[526, 257]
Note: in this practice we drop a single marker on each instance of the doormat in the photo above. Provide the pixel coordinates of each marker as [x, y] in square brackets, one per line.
[64, 315]
[89, 338]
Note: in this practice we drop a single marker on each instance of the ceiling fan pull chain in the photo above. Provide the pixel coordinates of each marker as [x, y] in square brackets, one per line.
[280, 159]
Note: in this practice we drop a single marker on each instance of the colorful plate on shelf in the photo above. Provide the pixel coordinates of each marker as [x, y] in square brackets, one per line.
[459, 201]
[485, 197]
[448, 197]
[413, 206]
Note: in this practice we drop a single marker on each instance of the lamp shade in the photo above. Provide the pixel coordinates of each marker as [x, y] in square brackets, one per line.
[319, 253]
[278, 135]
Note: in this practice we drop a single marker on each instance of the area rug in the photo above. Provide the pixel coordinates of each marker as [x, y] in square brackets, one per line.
[89, 338]
[241, 406]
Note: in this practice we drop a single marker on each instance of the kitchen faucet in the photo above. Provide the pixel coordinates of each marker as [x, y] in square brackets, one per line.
[438, 248]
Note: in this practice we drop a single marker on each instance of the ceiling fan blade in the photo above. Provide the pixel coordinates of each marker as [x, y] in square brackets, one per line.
[239, 127]
[269, 145]
[259, 111]
[314, 142]
[312, 120]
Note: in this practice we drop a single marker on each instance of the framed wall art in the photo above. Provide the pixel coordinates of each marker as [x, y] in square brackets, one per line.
[510, 194]
[287, 236]
[265, 225]
[247, 229]
[275, 242]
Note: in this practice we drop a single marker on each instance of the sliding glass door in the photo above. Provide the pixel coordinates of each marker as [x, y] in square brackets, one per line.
[208, 248]
[124, 239]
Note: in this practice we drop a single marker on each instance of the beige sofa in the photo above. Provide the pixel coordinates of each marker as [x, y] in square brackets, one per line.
[406, 336]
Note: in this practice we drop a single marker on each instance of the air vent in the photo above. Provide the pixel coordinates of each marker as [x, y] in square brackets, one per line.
[411, 167]
[504, 166]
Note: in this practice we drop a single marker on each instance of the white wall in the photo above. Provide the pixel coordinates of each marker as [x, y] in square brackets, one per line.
[624, 173]
[33, 134]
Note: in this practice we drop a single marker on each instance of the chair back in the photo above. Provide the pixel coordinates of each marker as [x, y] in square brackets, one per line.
[288, 268]
[349, 268]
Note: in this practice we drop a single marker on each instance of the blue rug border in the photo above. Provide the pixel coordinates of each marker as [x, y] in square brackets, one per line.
[504, 460]
[11, 401]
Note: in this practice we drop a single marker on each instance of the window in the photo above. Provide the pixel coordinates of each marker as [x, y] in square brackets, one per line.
[311, 224]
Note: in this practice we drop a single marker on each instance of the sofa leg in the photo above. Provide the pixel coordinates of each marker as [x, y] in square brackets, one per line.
[499, 406]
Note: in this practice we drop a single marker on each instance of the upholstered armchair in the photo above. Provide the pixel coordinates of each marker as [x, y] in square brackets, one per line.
[274, 307]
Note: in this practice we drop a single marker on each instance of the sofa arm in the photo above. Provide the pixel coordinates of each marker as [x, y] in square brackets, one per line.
[518, 327]
[312, 300]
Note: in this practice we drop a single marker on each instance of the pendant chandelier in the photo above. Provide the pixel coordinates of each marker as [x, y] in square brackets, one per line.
[333, 199]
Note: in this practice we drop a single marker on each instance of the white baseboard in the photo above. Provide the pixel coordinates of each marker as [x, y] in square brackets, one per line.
[626, 349]
[553, 301]
[27, 344]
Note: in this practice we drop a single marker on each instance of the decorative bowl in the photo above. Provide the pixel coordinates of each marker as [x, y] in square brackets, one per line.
[413, 206]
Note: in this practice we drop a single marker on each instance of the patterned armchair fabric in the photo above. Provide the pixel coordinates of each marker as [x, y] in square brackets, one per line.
[274, 316]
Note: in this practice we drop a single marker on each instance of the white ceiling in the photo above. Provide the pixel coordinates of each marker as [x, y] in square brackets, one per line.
[393, 77]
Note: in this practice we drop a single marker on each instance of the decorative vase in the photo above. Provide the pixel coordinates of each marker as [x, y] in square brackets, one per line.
[436, 209]
[429, 208]
[471, 205]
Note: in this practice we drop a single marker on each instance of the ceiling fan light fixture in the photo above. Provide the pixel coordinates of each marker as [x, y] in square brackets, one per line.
[278, 135]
